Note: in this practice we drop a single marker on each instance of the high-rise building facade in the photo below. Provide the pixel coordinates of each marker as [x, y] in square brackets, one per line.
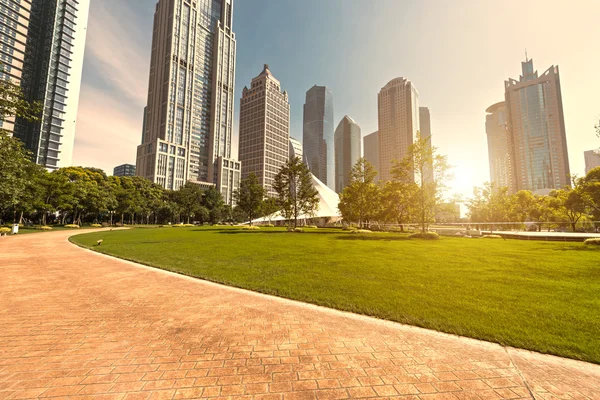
[124, 170]
[399, 123]
[14, 25]
[296, 149]
[264, 129]
[499, 147]
[537, 126]
[347, 151]
[51, 67]
[318, 135]
[371, 151]
[189, 115]
[592, 160]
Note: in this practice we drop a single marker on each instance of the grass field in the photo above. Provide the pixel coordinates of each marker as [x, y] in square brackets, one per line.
[534, 295]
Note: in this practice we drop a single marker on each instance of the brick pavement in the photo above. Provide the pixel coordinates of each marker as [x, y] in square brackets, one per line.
[74, 324]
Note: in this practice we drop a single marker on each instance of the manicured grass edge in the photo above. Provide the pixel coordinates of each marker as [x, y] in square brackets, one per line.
[329, 306]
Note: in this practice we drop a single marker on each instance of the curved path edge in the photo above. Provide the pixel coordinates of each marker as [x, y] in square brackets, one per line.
[76, 323]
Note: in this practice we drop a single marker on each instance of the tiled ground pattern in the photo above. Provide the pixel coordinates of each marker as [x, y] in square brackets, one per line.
[74, 324]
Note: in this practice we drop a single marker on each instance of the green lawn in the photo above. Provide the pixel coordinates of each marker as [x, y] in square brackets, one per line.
[533, 295]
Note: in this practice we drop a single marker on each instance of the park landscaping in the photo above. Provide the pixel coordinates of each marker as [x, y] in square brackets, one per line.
[541, 296]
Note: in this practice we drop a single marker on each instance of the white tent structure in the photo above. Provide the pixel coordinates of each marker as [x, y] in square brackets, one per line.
[328, 207]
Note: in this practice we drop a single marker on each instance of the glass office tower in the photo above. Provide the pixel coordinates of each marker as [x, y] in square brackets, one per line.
[318, 134]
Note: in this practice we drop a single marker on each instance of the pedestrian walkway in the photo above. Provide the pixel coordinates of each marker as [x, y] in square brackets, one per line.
[75, 324]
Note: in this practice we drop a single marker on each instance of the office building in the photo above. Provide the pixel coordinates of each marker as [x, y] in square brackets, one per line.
[48, 66]
[371, 151]
[264, 129]
[499, 147]
[398, 104]
[189, 114]
[537, 126]
[124, 170]
[14, 25]
[592, 160]
[347, 151]
[318, 135]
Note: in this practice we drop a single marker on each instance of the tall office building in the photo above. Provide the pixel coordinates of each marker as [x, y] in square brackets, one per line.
[371, 151]
[499, 147]
[592, 160]
[49, 65]
[318, 136]
[189, 115]
[14, 25]
[347, 151]
[264, 129]
[124, 170]
[398, 123]
[537, 126]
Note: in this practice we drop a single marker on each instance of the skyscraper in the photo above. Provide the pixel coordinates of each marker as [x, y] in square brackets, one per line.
[264, 129]
[499, 147]
[371, 151]
[592, 160]
[52, 66]
[537, 126]
[398, 123]
[14, 24]
[347, 151]
[189, 115]
[318, 138]
[124, 170]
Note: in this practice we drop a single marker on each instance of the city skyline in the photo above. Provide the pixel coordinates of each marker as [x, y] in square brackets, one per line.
[460, 125]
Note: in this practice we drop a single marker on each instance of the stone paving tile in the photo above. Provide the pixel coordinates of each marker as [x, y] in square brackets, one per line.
[78, 325]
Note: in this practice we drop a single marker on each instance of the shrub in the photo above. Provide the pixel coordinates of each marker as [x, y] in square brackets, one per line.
[492, 237]
[361, 231]
[312, 226]
[425, 235]
[296, 230]
[188, 225]
[96, 225]
[592, 242]
[268, 226]
[251, 228]
[349, 228]
[72, 226]
[43, 228]
[5, 231]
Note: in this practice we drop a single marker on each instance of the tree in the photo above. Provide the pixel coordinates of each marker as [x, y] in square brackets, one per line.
[570, 204]
[359, 201]
[250, 197]
[15, 172]
[13, 102]
[296, 194]
[398, 196]
[269, 208]
[212, 200]
[489, 205]
[431, 174]
[189, 199]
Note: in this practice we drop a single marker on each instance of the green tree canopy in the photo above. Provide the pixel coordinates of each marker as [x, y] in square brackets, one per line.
[296, 194]
[249, 197]
[360, 200]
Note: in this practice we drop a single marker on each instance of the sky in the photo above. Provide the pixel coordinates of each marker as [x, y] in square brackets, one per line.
[457, 54]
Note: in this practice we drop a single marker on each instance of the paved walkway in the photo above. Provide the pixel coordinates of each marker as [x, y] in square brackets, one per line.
[74, 324]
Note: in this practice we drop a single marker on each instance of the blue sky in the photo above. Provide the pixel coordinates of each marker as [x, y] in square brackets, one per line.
[457, 53]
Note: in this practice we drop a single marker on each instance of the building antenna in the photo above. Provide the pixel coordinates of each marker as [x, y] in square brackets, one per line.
[526, 56]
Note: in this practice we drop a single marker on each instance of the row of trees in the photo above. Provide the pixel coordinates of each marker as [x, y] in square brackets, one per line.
[29, 193]
[414, 195]
[561, 208]
[296, 194]
[78, 195]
